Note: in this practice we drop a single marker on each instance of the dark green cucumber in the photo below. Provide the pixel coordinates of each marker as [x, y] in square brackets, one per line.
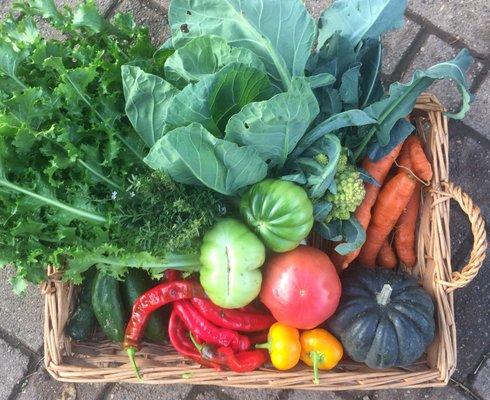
[136, 283]
[82, 322]
[108, 306]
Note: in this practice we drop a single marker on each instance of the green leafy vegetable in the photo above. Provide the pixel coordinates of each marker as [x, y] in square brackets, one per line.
[360, 19]
[206, 55]
[193, 156]
[280, 32]
[274, 127]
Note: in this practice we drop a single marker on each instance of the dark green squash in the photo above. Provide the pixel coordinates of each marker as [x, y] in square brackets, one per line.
[385, 319]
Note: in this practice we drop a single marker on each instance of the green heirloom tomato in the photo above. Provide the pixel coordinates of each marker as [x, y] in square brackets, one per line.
[231, 255]
[280, 212]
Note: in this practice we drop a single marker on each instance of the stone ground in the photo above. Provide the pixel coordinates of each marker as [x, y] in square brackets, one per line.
[435, 30]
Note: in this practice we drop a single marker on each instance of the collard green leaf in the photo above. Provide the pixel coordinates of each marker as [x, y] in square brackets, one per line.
[370, 56]
[147, 98]
[235, 86]
[213, 99]
[274, 127]
[321, 210]
[349, 88]
[335, 57]
[192, 105]
[206, 55]
[320, 80]
[360, 19]
[280, 32]
[337, 121]
[330, 102]
[402, 97]
[193, 156]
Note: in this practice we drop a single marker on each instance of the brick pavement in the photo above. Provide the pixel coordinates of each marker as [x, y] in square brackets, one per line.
[435, 30]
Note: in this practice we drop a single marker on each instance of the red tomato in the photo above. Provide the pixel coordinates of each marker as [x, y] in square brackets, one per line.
[301, 287]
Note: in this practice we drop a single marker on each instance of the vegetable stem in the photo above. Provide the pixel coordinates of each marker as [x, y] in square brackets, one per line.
[53, 202]
[315, 357]
[99, 175]
[383, 297]
[131, 354]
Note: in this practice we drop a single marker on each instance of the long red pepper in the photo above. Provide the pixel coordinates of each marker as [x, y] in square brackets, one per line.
[206, 330]
[209, 356]
[180, 340]
[233, 319]
[150, 301]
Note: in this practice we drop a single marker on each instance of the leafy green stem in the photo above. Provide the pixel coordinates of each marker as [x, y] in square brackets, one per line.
[53, 202]
[99, 175]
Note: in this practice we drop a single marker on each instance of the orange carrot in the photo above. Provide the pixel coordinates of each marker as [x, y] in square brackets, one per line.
[386, 256]
[392, 200]
[412, 156]
[405, 231]
[378, 170]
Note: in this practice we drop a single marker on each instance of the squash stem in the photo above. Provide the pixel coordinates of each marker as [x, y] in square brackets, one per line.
[383, 297]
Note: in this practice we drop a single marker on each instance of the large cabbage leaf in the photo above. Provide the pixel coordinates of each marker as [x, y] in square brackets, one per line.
[280, 32]
[206, 55]
[360, 19]
[275, 126]
[193, 156]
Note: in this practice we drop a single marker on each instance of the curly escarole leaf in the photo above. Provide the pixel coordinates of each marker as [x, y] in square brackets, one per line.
[204, 56]
[350, 233]
[274, 127]
[402, 97]
[147, 98]
[280, 32]
[360, 19]
[193, 156]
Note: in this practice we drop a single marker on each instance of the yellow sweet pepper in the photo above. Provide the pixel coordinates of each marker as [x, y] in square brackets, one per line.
[283, 345]
[320, 349]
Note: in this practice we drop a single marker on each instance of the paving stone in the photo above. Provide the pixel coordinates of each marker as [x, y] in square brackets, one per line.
[251, 394]
[478, 116]
[395, 43]
[446, 393]
[435, 51]
[13, 366]
[21, 316]
[147, 13]
[481, 384]
[471, 308]
[41, 386]
[316, 7]
[315, 395]
[139, 392]
[465, 19]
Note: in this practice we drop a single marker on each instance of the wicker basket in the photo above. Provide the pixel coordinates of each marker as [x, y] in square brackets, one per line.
[103, 361]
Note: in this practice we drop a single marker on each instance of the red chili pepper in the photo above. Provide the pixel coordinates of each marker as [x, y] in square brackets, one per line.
[207, 331]
[180, 340]
[150, 301]
[233, 319]
[245, 361]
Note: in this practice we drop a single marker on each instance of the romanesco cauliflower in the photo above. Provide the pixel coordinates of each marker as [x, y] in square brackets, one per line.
[350, 191]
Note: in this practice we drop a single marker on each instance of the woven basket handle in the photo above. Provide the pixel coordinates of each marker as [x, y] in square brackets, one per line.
[468, 272]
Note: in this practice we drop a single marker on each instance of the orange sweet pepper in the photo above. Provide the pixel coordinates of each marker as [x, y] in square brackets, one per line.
[321, 350]
[283, 345]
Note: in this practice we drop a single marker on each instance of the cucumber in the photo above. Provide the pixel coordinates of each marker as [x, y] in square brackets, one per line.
[108, 306]
[136, 283]
[82, 322]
